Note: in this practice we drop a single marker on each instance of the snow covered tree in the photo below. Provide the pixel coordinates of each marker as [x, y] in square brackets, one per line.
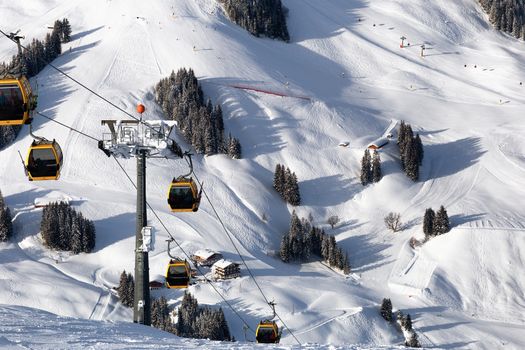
[66, 31]
[419, 149]
[413, 340]
[6, 225]
[181, 98]
[428, 222]
[63, 228]
[411, 160]
[278, 179]
[376, 167]
[366, 169]
[332, 251]
[393, 221]
[386, 309]
[346, 265]
[262, 17]
[506, 15]
[292, 190]
[8, 134]
[126, 289]
[302, 240]
[196, 322]
[160, 314]
[407, 323]
[234, 148]
[284, 251]
[441, 222]
[333, 220]
[286, 184]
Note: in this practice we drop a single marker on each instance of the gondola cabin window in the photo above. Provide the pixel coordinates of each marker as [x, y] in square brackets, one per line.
[181, 197]
[11, 102]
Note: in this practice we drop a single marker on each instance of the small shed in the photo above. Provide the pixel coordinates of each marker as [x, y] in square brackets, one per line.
[154, 285]
[206, 257]
[224, 269]
[379, 143]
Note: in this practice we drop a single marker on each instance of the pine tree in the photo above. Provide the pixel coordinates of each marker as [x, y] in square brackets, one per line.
[346, 265]
[400, 317]
[376, 167]
[6, 225]
[278, 179]
[296, 239]
[225, 330]
[407, 323]
[259, 17]
[325, 247]
[76, 235]
[411, 160]
[413, 341]
[428, 222]
[125, 289]
[401, 133]
[160, 314]
[386, 309]
[294, 197]
[181, 99]
[332, 251]
[419, 149]
[441, 222]
[66, 31]
[366, 173]
[234, 149]
[284, 250]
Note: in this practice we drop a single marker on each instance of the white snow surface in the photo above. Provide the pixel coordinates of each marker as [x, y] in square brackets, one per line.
[464, 289]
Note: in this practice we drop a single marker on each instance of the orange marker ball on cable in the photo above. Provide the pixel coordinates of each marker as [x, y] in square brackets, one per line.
[141, 108]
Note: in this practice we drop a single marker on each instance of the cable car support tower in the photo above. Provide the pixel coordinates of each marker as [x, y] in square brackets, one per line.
[142, 140]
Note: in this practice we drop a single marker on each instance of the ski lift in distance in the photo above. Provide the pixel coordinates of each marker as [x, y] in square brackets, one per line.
[44, 159]
[184, 194]
[178, 273]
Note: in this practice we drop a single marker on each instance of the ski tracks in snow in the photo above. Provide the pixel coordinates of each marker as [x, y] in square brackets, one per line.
[342, 314]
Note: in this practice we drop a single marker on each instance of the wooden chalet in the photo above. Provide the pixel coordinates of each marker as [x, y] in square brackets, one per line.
[154, 285]
[379, 143]
[206, 257]
[224, 269]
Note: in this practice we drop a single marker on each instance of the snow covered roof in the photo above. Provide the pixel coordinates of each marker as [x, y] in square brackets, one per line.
[378, 143]
[51, 197]
[204, 254]
[223, 264]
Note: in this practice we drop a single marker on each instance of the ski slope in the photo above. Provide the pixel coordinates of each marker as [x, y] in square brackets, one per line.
[463, 289]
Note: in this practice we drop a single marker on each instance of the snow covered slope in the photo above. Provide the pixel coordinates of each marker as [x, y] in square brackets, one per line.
[463, 290]
[35, 329]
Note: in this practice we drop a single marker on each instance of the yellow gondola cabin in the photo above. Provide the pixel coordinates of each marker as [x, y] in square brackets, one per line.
[183, 195]
[267, 332]
[178, 274]
[16, 101]
[44, 160]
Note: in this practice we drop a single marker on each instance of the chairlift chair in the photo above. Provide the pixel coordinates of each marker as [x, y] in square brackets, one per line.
[17, 101]
[267, 332]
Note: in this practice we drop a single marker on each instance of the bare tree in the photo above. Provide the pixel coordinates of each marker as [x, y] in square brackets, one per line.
[333, 220]
[393, 221]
